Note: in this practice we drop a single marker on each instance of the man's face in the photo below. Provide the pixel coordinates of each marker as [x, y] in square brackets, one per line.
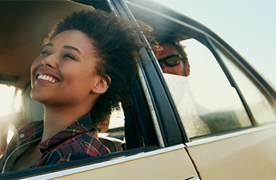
[168, 50]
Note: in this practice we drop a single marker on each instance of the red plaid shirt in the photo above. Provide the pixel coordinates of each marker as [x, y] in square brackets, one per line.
[79, 140]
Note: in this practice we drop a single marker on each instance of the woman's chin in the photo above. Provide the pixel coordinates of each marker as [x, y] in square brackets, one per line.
[39, 97]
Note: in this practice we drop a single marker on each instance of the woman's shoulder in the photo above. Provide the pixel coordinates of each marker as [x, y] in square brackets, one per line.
[92, 143]
[81, 146]
[86, 142]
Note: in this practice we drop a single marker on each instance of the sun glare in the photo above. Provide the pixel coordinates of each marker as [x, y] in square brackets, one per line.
[17, 103]
[6, 95]
[10, 135]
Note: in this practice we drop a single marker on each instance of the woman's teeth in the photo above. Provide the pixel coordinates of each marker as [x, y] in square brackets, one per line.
[46, 78]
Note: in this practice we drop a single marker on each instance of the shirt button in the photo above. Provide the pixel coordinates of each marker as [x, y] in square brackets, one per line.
[21, 135]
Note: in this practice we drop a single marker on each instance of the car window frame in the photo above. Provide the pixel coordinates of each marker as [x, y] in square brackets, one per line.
[231, 80]
[249, 71]
[167, 121]
[258, 81]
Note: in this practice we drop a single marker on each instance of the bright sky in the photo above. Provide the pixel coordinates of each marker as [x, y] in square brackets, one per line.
[247, 25]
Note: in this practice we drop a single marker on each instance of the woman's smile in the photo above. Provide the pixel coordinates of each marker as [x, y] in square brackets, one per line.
[45, 77]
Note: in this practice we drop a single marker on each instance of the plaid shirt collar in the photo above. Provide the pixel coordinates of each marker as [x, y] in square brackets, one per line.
[34, 131]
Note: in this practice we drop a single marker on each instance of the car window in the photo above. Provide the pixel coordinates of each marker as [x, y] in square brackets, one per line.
[259, 104]
[205, 100]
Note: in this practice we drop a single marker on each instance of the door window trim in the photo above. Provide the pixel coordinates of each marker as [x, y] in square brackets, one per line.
[231, 81]
[244, 131]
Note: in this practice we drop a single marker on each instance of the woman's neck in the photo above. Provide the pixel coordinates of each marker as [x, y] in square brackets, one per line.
[58, 118]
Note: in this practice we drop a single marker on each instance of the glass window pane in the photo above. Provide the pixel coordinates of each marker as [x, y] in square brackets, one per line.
[205, 100]
[258, 103]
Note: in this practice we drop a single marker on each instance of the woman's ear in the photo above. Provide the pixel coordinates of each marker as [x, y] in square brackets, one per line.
[101, 85]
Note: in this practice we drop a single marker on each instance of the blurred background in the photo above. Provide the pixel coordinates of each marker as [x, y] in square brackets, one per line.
[246, 25]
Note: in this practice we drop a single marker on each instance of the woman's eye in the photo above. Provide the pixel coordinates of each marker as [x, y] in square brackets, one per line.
[67, 55]
[43, 53]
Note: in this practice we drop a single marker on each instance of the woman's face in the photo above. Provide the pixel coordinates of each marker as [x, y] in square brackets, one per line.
[65, 73]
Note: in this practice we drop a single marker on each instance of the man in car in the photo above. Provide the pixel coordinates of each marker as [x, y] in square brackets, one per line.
[172, 58]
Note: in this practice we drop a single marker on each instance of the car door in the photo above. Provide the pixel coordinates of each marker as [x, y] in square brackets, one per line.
[226, 108]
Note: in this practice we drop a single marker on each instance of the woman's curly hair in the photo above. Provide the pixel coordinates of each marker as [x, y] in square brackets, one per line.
[115, 41]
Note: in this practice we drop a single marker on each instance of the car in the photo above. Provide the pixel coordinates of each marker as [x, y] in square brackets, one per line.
[218, 123]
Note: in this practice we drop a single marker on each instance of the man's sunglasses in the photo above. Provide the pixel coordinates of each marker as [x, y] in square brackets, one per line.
[172, 60]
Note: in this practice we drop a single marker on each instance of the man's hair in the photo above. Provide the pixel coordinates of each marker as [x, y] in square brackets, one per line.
[156, 40]
[115, 41]
[179, 48]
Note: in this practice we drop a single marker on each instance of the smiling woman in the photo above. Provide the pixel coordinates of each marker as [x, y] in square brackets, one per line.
[79, 77]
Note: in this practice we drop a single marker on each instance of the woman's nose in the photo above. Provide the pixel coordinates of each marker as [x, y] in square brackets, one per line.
[49, 60]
